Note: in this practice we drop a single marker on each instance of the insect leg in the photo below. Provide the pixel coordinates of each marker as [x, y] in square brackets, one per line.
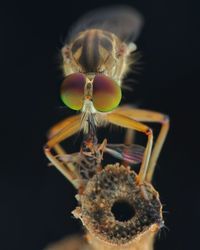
[127, 122]
[149, 116]
[57, 134]
[58, 148]
[129, 137]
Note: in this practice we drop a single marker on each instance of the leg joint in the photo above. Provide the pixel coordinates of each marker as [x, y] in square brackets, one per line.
[166, 119]
[46, 148]
[149, 132]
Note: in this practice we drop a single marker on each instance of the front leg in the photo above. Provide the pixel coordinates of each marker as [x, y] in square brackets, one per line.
[127, 122]
[142, 115]
[57, 134]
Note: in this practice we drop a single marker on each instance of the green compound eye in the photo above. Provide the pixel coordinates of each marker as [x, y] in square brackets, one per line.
[106, 93]
[72, 91]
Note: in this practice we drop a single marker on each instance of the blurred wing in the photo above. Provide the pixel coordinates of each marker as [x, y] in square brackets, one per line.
[70, 158]
[122, 20]
[132, 154]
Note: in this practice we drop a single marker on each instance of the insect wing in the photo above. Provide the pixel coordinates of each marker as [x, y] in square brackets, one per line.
[69, 158]
[122, 20]
[132, 154]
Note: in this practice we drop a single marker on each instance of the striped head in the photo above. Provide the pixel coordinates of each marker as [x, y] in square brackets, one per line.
[94, 64]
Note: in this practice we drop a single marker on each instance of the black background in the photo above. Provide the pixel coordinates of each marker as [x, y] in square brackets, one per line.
[36, 201]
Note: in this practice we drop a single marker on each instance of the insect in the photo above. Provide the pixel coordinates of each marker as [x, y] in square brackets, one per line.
[97, 55]
[88, 161]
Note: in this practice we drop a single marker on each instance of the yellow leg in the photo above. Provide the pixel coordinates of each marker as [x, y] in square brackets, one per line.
[58, 148]
[127, 122]
[149, 116]
[57, 134]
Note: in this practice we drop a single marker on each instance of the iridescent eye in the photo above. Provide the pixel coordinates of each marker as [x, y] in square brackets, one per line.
[72, 91]
[106, 93]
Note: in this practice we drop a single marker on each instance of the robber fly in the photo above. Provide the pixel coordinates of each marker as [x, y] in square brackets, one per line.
[97, 54]
[96, 57]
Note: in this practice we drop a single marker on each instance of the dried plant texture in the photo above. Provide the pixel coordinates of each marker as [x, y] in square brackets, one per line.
[132, 226]
[117, 212]
[70, 243]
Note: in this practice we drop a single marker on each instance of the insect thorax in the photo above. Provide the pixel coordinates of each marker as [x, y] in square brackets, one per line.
[97, 51]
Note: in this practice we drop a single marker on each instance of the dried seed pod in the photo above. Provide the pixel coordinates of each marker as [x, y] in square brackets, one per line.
[118, 212]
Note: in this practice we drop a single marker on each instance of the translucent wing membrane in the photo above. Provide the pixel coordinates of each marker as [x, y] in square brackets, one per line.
[85, 166]
[132, 154]
[70, 158]
[122, 20]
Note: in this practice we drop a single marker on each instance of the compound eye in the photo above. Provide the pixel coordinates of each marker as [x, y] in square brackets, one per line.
[72, 91]
[106, 93]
